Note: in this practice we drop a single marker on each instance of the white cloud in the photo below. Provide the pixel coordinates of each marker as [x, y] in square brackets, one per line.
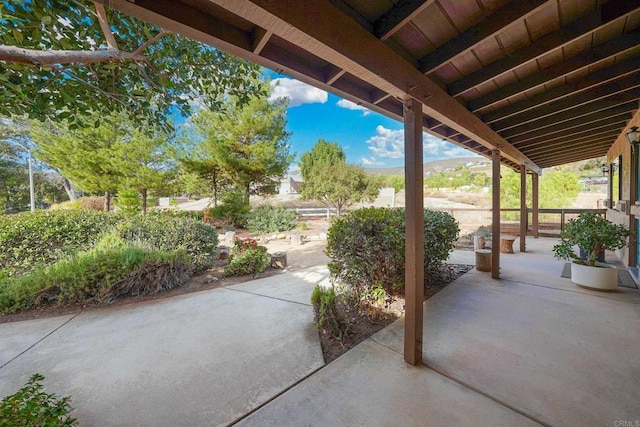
[437, 148]
[388, 143]
[345, 103]
[370, 161]
[298, 92]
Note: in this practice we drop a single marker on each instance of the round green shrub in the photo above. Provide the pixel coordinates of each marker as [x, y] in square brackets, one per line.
[367, 247]
[167, 233]
[247, 257]
[271, 219]
[32, 240]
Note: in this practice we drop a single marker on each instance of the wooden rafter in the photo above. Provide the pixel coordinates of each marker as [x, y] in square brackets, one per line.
[628, 99]
[602, 53]
[606, 124]
[560, 145]
[621, 91]
[400, 14]
[620, 70]
[490, 27]
[585, 25]
[613, 114]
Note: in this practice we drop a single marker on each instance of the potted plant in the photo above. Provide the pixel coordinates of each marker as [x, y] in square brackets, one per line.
[593, 234]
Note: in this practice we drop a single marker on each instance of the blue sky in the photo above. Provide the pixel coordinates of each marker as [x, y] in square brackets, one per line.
[369, 139]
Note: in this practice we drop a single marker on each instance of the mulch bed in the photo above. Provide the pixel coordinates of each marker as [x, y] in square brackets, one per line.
[364, 325]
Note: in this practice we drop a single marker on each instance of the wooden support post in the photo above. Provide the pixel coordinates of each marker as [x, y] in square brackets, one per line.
[495, 223]
[414, 247]
[523, 208]
[633, 197]
[535, 205]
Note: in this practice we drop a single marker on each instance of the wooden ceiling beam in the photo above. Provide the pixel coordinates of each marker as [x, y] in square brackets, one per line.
[260, 38]
[584, 25]
[620, 91]
[612, 134]
[339, 40]
[605, 124]
[571, 144]
[575, 156]
[511, 14]
[622, 70]
[601, 53]
[400, 14]
[628, 99]
[612, 115]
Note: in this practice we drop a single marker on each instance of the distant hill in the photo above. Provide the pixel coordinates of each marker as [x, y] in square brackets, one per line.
[435, 166]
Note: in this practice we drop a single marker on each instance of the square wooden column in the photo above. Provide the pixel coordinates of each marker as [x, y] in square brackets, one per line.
[523, 208]
[414, 246]
[495, 214]
[534, 205]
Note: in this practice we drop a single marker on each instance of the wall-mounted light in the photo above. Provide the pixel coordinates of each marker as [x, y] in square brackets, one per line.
[604, 169]
[633, 137]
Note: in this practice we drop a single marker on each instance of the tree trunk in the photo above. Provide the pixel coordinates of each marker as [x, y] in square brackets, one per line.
[246, 195]
[143, 194]
[70, 190]
[107, 201]
[215, 191]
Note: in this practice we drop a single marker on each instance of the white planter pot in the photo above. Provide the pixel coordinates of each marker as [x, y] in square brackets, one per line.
[603, 278]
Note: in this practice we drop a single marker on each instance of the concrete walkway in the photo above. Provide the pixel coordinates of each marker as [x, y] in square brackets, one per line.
[530, 349]
[200, 359]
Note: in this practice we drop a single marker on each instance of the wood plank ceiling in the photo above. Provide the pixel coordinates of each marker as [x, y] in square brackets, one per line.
[546, 82]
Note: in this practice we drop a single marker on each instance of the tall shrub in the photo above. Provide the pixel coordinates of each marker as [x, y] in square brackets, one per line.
[271, 219]
[367, 250]
[167, 233]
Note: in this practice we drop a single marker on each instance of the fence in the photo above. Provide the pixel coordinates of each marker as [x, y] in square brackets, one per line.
[551, 221]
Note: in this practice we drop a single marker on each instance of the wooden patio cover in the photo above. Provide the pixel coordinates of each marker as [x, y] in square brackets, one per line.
[531, 84]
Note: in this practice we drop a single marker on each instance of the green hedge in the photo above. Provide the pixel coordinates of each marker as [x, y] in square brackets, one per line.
[32, 240]
[367, 247]
[271, 219]
[167, 233]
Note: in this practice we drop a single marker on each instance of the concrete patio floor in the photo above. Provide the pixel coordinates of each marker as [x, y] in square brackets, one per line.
[531, 348]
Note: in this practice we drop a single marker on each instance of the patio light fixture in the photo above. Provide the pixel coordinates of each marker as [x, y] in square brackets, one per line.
[633, 136]
[604, 169]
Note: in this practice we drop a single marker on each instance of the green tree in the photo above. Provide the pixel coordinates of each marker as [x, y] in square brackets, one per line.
[558, 189]
[246, 145]
[322, 155]
[12, 179]
[67, 60]
[330, 180]
[143, 158]
[85, 156]
[116, 154]
[395, 181]
[480, 179]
